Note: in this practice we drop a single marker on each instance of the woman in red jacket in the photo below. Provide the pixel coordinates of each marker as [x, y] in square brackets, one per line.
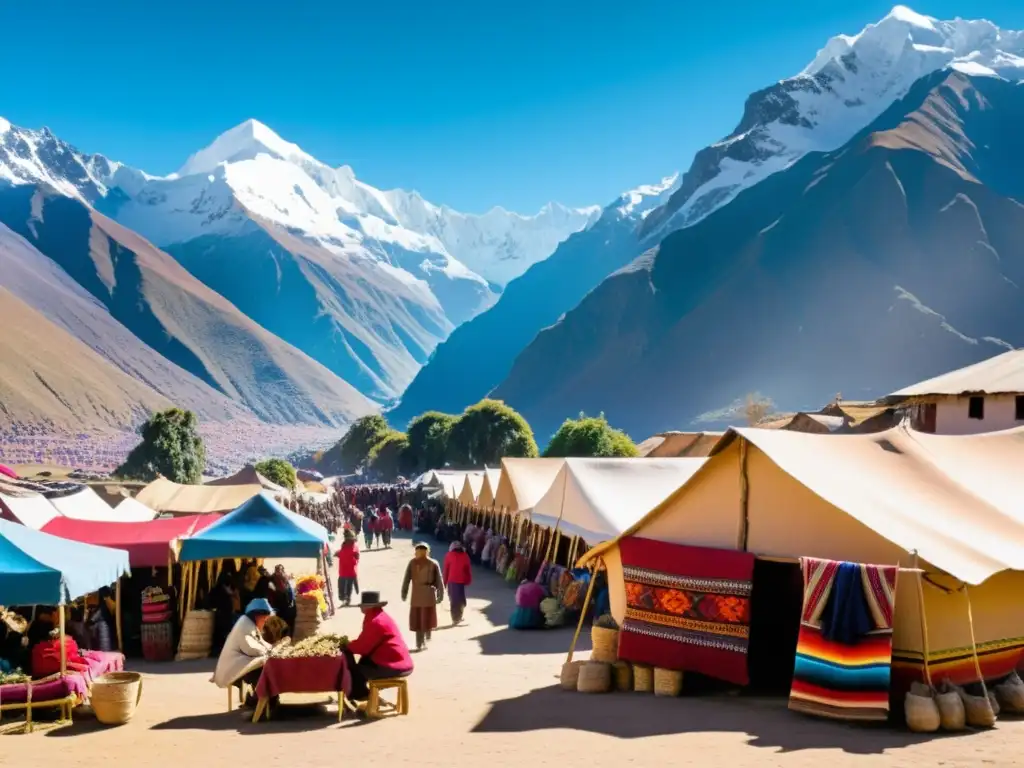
[458, 574]
[348, 567]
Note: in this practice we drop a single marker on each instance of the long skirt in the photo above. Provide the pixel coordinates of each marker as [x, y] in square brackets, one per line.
[456, 595]
[422, 619]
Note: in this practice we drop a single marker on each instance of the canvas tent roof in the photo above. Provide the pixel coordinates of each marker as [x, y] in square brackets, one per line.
[39, 569]
[261, 527]
[248, 475]
[1000, 374]
[679, 444]
[956, 500]
[29, 509]
[489, 487]
[524, 481]
[163, 495]
[87, 505]
[471, 486]
[131, 510]
[147, 543]
[598, 499]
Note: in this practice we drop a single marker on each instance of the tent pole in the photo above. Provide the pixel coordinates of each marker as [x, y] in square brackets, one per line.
[924, 623]
[583, 611]
[117, 615]
[63, 647]
[741, 543]
[974, 643]
[170, 568]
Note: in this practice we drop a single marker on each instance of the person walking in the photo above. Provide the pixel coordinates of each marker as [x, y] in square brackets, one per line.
[348, 568]
[458, 574]
[369, 523]
[386, 525]
[423, 578]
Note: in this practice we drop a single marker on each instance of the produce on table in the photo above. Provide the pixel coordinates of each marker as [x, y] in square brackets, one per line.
[316, 645]
[312, 586]
[13, 677]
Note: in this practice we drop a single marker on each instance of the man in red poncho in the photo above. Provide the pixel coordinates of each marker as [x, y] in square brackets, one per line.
[385, 526]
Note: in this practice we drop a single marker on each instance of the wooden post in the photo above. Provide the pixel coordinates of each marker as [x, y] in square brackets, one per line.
[586, 605]
[741, 543]
[117, 615]
[924, 622]
[63, 649]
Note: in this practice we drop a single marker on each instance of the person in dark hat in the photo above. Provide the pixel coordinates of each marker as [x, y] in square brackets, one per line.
[348, 567]
[380, 645]
[423, 576]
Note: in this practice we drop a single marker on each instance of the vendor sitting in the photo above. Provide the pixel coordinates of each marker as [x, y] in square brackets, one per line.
[380, 644]
[245, 651]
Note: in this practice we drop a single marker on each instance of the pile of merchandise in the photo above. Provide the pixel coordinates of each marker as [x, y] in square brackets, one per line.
[317, 645]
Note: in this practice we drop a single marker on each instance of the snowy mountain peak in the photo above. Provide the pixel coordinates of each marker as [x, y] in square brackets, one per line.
[245, 141]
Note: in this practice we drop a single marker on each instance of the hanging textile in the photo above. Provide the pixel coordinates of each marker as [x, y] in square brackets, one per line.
[844, 651]
[687, 608]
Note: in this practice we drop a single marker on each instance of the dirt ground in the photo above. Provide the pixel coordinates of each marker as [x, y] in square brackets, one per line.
[483, 695]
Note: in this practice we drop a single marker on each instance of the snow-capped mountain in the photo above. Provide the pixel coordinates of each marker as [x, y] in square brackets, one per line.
[851, 81]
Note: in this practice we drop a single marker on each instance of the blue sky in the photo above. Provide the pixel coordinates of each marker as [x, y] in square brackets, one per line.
[474, 104]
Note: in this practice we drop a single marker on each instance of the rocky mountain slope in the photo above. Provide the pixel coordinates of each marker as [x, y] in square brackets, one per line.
[480, 353]
[174, 314]
[889, 260]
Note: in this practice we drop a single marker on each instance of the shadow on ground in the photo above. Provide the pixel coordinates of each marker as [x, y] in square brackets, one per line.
[767, 721]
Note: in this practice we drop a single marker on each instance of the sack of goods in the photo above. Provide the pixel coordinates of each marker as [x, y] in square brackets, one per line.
[308, 617]
[921, 711]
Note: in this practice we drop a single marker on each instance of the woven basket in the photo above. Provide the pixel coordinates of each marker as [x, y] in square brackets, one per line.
[667, 682]
[605, 644]
[196, 636]
[594, 677]
[570, 675]
[158, 641]
[623, 673]
[643, 678]
[115, 696]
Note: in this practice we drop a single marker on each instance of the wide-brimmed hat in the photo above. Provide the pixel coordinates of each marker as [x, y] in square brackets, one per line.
[259, 605]
[371, 600]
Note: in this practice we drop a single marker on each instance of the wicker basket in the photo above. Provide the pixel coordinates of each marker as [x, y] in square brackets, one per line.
[158, 641]
[623, 673]
[643, 678]
[115, 696]
[605, 644]
[667, 682]
[571, 675]
[594, 677]
[307, 618]
[196, 636]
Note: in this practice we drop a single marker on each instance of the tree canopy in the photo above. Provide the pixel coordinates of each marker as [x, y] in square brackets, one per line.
[390, 457]
[278, 471]
[171, 446]
[352, 452]
[488, 431]
[428, 437]
[590, 436]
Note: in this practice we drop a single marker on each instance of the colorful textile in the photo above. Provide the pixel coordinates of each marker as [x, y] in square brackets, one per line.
[687, 608]
[845, 680]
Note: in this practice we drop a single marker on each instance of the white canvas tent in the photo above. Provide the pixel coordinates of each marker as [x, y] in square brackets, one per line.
[598, 499]
[489, 488]
[129, 510]
[87, 505]
[524, 481]
[31, 510]
[471, 486]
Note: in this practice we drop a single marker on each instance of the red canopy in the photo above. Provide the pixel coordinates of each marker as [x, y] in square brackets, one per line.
[146, 543]
[8, 472]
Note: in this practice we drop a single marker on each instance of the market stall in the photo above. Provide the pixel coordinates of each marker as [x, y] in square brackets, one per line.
[148, 544]
[39, 569]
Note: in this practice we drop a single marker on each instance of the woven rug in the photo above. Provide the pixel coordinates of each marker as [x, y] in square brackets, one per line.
[687, 608]
[844, 681]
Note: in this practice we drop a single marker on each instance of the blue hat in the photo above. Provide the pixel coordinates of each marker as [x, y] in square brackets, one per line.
[259, 605]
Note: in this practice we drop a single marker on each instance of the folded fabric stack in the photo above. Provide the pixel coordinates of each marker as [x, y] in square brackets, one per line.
[156, 606]
[157, 625]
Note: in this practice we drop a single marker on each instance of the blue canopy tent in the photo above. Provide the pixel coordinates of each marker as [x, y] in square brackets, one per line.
[39, 569]
[260, 528]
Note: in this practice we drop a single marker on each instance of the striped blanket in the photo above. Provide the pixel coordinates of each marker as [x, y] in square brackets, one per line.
[844, 680]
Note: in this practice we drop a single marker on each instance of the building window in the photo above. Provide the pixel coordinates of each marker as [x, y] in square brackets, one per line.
[976, 408]
[1020, 408]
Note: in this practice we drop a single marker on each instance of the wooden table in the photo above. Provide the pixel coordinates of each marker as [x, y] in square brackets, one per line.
[312, 674]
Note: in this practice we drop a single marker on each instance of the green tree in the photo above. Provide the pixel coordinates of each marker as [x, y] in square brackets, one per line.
[278, 471]
[171, 446]
[590, 436]
[353, 450]
[488, 431]
[428, 440]
[390, 457]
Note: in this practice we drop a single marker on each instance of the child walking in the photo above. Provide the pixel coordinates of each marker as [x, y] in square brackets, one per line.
[458, 574]
[348, 568]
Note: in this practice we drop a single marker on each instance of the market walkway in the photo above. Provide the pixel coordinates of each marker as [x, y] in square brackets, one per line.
[485, 696]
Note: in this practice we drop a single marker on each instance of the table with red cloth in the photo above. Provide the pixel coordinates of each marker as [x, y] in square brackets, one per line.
[303, 674]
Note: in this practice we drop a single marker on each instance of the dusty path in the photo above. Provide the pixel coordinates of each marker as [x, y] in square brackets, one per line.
[486, 696]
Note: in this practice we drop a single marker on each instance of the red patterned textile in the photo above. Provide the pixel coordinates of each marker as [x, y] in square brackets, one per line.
[687, 608]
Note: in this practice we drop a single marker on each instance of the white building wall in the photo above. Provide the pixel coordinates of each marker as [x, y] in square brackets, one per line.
[951, 415]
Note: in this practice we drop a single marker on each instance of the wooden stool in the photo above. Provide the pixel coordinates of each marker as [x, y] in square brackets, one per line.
[246, 688]
[377, 707]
